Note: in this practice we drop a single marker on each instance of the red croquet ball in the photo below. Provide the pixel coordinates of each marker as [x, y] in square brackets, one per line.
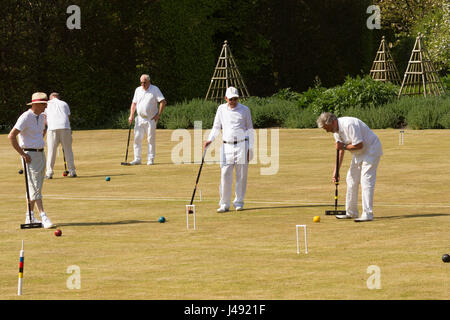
[58, 232]
[64, 174]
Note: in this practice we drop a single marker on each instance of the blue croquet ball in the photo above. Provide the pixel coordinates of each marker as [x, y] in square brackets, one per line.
[162, 219]
[107, 178]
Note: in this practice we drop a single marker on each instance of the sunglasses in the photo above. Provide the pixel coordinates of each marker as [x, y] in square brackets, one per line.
[233, 99]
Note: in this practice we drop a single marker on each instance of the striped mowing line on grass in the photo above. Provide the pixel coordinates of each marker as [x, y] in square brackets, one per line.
[180, 199]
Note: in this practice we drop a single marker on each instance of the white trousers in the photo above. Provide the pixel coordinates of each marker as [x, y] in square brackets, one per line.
[54, 138]
[35, 174]
[142, 127]
[233, 158]
[361, 173]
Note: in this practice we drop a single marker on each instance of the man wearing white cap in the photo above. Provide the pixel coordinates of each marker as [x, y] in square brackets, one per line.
[355, 136]
[235, 121]
[30, 127]
[58, 131]
[145, 103]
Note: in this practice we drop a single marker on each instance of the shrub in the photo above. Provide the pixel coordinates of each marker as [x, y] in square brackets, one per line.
[301, 119]
[375, 118]
[270, 112]
[428, 113]
[357, 93]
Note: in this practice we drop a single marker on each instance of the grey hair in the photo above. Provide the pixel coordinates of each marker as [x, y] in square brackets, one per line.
[325, 118]
[146, 76]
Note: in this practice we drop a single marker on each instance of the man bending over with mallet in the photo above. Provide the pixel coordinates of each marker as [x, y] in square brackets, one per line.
[353, 135]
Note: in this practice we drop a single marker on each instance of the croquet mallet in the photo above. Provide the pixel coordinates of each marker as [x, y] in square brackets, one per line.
[336, 182]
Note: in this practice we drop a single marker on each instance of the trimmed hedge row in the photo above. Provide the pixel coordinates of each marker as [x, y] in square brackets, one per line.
[373, 102]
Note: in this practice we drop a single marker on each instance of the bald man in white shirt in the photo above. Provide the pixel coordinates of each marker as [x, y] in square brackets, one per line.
[353, 135]
[145, 103]
[235, 121]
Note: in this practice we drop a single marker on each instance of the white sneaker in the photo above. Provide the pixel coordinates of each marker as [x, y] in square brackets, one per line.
[150, 162]
[135, 162]
[223, 208]
[364, 217]
[49, 176]
[72, 174]
[344, 216]
[46, 223]
[33, 219]
[238, 208]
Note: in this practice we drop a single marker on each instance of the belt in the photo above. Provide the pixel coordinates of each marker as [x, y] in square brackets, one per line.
[235, 141]
[34, 150]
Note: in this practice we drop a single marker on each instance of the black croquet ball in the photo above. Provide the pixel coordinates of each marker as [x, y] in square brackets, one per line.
[446, 258]
[20, 171]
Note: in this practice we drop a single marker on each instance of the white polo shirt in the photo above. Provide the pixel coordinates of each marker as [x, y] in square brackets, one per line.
[57, 113]
[147, 101]
[31, 127]
[354, 131]
[235, 122]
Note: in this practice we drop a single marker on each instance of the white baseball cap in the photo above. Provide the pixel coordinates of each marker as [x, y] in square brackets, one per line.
[232, 92]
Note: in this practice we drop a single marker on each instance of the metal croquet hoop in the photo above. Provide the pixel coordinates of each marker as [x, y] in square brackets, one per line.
[336, 211]
[28, 225]
[190, 209]
[298, 238]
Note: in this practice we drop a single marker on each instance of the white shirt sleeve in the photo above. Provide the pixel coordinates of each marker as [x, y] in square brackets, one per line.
[135, 96]
[250, 133]
[159, 95]
[354, 133]
[217, 126]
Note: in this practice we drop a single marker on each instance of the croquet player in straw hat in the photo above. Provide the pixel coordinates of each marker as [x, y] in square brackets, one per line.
[353, 135]
[235, 121]
[145, 103]
[58, 131]
[30, 127]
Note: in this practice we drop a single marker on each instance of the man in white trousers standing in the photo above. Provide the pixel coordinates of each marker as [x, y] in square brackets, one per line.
[355, 136]
[145, 103]
[237, 149]
[58, 131]
[30, 129]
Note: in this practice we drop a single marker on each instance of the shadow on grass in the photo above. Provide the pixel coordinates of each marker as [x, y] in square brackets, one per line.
[291, 207]
[101, 223]
[408, 216]
[104, 175]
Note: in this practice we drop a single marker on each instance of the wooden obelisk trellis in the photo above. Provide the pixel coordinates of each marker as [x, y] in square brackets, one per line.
[226, 74]
[383, 67]
[421, 77]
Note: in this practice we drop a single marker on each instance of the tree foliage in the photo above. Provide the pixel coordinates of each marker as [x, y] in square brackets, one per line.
[276, 44]
[406, 18]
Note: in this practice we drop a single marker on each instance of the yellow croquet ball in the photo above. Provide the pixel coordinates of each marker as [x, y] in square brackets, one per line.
[316, 219]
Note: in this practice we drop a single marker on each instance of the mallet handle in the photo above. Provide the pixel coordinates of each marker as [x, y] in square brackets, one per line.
[198, 176]
[25, 169]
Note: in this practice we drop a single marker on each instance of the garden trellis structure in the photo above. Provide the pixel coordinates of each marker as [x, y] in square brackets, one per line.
[421, 78]
[226, 74]
[383, 67]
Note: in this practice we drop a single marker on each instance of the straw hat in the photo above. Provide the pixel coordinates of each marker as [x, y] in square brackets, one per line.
[38, 97]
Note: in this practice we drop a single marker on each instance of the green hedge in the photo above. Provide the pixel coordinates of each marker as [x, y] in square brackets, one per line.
[375, 103]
